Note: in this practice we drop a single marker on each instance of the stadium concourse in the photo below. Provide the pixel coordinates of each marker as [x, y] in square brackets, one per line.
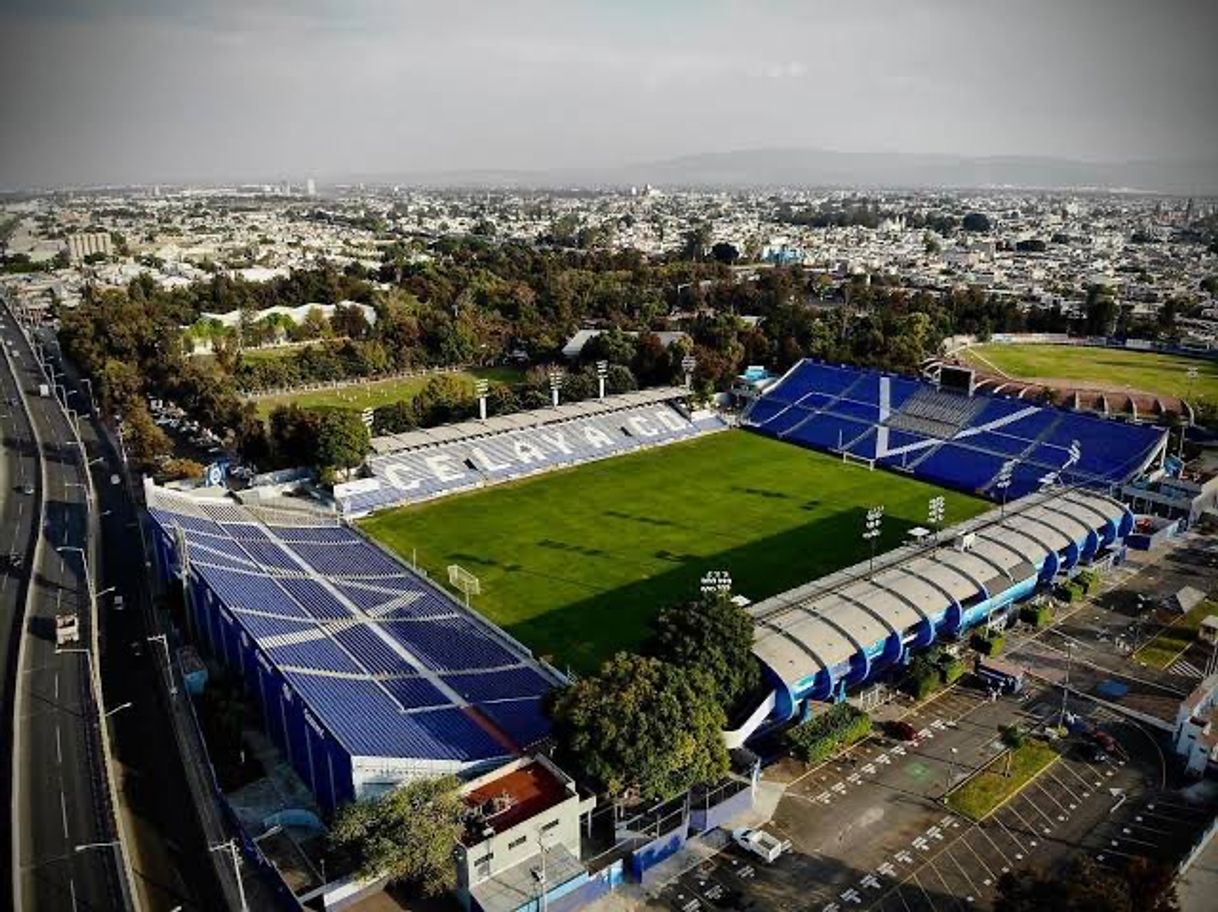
[816, 641]
[420, 465]
[959, 439]
[366, 673]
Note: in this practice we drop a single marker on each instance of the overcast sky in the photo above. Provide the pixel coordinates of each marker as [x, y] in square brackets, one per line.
[156, 90]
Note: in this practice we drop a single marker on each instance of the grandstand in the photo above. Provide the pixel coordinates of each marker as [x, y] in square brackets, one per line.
[841, 631]
[951, 438]
[366, 673]
[420, 465]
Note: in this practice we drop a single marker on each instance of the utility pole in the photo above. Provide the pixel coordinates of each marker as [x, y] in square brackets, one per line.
[1066, 684]
[231, 847]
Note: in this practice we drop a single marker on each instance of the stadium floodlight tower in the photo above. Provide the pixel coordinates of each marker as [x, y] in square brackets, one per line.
[934, 513]
[555, 384]
[688, 363]
[1074, 454]
[716, 582]
[481, 386]
[871, 531]
[602, 371]
[1003, 482]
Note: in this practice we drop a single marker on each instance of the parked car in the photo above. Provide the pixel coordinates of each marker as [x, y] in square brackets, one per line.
[902, 730]
[760, 843]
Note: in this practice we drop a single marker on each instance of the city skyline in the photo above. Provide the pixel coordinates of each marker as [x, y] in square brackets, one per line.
[142, 92]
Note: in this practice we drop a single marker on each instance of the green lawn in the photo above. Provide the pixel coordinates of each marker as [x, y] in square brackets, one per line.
[1147, 372]
[575, 563]
[984, 791]
[376, 393]
[1165, 647]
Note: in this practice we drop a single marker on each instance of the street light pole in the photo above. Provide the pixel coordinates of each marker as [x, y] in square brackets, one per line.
[231, 846]
[871, 531]
[1066, 684]
[164, 641]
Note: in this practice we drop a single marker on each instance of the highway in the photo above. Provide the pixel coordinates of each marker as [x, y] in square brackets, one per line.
[168, 814]
[64, 850]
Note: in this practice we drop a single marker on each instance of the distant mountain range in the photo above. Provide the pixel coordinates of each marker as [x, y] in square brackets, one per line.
[761, 168]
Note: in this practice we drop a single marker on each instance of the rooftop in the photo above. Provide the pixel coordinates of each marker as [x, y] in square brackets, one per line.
[514, 797]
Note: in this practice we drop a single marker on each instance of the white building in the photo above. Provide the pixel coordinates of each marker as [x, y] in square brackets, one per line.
[1196, 737]
[87, 244]
[522, 838]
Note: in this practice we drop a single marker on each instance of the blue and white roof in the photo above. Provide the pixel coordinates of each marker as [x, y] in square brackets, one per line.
[387, 662]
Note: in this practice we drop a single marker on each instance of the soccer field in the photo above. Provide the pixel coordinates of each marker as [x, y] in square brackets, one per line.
[1147, 372]
[375, 393]
[576, 563]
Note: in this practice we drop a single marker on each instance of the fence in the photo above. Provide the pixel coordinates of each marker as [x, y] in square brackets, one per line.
[351, 381]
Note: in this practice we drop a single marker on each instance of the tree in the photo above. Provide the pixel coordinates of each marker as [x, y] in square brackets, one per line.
[724, 252]
[145, 442]
[1102, 311]
[1140, 886]
[407, 834]
[350, 322]
[643, 723]
[697, 239]
[342, 439]
[713, 635]
[975, 221]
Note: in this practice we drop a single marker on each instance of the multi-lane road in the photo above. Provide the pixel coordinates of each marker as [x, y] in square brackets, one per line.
[75, 796]
[64, 850]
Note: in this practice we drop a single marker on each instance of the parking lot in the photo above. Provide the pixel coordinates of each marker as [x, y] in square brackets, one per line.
[870, 829]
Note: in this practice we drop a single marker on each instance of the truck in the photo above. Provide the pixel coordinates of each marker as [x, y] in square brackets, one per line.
[67, 629]
[765, 846]
[44, 390]
[1005, 677]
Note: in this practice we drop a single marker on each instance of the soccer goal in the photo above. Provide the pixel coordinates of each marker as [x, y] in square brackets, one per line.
[463, 581]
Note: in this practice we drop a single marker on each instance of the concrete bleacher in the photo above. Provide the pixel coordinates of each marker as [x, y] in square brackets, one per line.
[445, 460]
[951, 438]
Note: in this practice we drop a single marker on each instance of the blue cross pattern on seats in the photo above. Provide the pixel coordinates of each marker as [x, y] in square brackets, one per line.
[949, 438]
[387, 662]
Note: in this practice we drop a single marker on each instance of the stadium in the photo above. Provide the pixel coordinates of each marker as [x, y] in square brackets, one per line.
[581, 521]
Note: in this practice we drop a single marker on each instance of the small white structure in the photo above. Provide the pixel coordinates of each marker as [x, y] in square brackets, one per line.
[1196, 737]
[521, 845]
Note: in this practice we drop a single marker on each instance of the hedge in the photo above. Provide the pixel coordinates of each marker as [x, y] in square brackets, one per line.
[953, 671]
[821, 736]
[989, 645]
[1036, 615]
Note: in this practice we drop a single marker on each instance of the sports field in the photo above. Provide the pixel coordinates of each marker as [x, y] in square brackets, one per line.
[376, 393]
[1145, 372]
[575, 563]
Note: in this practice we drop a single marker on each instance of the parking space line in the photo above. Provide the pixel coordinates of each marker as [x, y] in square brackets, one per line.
[964, 873]
[930, 902]
[948, 891]
[1068, 790]
[981, 861]
[1001, 854]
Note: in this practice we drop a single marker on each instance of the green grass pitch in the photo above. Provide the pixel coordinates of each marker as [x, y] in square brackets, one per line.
[576, 563]
[1147, 372]
[375, 393]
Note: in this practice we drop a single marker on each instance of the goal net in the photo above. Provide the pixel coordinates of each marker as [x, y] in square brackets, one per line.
[463, 581]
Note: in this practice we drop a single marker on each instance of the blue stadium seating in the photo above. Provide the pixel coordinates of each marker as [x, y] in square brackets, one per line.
[385, 661]
[433, 469]
[522, 720]
[981, 433]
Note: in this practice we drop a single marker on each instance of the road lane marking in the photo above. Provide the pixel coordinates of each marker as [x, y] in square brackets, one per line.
[63, 812]
[58, 747]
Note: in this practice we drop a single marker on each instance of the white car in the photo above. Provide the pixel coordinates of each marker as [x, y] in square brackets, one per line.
[760, 843]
